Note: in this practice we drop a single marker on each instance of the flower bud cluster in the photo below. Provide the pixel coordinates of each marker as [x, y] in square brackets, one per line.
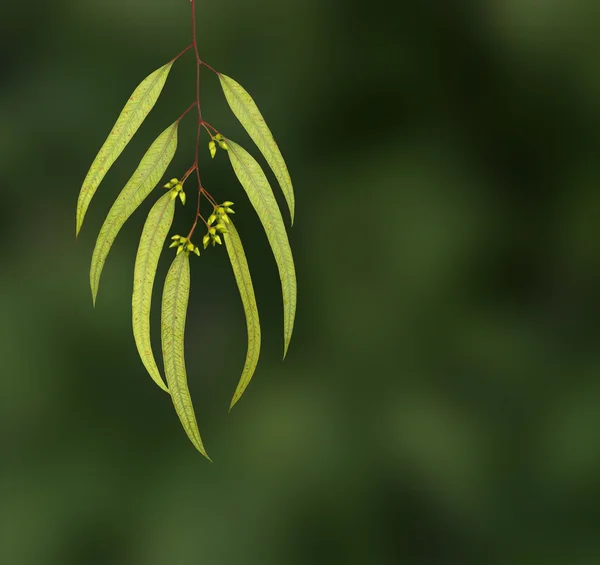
[220, 216]
[184, 244]
[176, 188]
[212, 146]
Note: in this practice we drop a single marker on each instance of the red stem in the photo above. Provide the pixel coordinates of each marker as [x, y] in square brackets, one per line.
[198, 105]
[209, 67]
[187, 173]
[182, 53]
[211, 127]
[201, 122]
[185, 113]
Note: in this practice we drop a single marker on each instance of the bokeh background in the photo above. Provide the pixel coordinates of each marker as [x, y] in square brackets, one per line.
[440, 404]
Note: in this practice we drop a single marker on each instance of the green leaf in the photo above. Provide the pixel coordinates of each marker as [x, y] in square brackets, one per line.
[141, 101]
[174, 306]
[256, 185]
[248, 114]
[149, 172]
[153, 237]
[244, 282]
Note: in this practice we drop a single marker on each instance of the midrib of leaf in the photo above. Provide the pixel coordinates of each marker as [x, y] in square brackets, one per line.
[119, 212]
[267, 145]
[174, 354]
[267, 212]
[144, 299]
[113, 147]
[243, 278]
[173, 358]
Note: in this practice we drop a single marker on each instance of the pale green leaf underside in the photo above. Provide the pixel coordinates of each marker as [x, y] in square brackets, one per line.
[174, 309]
[149, 172]
[141, 101]
[248, 114]
[256, 185]
[233, 243]
[153, 237]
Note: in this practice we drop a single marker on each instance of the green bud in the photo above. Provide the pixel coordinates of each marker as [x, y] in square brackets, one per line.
[205, 241]
[182, 197]
[212, 231]
[179, 249]
[218, 240]
[218, 137]
[229, 211]
[212, 147]
[173, 194]
[211, 219]
[174, 244]
[227, 203]
[225, 218]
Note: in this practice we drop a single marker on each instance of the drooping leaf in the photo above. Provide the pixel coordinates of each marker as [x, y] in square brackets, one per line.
[141, 101]
[248, 114]
[256, 185]
[233, 243]
[149, 172]
[174, 308]
[155, 231]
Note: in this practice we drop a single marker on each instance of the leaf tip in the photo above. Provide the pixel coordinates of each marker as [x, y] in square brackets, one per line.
[234, 401]
[94, 293]
[94, 287]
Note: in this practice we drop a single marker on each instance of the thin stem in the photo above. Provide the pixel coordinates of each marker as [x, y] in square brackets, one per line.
[184, 114]
[197, 216]
[199, 107]
[211, 127]
[209, 198]
[198, 60]
[207, 130]
[187, 173]
[209, 67]
[182, 53]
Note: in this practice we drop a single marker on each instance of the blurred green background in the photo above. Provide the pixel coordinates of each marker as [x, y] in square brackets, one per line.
[440, 403]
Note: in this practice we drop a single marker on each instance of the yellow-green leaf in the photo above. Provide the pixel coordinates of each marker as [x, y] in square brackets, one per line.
[148, 174]
[248, 114]
[174, 309]
[244, 282]
[153, 237]
[141, 101]
[256, 185]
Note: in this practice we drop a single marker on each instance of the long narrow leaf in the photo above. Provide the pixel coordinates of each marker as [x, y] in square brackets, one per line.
[256, 185]
[248, 114]
[174, 308]
[149, 172]
[244, 282]
[155, 231]
[141, 101]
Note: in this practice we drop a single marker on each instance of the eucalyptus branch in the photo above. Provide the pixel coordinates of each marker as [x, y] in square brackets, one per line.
[145, 179]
